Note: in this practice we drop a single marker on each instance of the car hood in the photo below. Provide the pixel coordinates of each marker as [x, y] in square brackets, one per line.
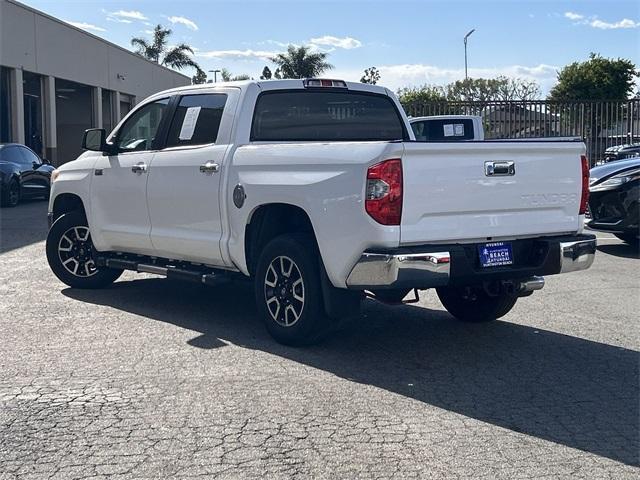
[611, 168]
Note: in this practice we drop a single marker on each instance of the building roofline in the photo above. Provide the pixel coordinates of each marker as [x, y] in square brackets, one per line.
[96, 37]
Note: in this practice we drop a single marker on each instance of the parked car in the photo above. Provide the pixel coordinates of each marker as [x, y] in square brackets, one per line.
[447, 128]
[23, 174]
[621, 152]
[614, 196]
[317, 190]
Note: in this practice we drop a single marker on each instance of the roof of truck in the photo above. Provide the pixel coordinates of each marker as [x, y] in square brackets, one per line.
[276, 85]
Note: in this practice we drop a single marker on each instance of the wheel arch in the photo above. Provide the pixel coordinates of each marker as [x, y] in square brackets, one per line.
[67, 202]
[268, 221]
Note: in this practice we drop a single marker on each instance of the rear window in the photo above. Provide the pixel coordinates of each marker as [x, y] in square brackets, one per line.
[445, 130]
[307, 115]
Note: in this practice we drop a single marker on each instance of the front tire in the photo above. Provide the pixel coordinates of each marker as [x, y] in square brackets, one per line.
[473, 304]
[288, 291]
[71, 254]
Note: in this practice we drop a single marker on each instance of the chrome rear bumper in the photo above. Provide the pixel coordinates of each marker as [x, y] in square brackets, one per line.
[454, 265]
[383, 269]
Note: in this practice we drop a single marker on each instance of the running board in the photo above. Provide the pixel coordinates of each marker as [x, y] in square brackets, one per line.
[210, 278]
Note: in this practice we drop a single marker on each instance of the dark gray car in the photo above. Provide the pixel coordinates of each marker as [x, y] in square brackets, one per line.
[23, 174]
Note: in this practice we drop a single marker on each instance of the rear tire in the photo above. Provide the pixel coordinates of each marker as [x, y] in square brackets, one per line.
[473, 304]
[71, 254]
[11, 194]
[288, 291]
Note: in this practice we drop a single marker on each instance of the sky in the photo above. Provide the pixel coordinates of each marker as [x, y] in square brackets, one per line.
[410, 42]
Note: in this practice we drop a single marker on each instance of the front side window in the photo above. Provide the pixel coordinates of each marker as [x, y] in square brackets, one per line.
[312, 115]
[139, 131]
[197, 120]
[29, 157]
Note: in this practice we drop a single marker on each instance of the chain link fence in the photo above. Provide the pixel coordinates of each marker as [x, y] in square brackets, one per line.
[601, 124]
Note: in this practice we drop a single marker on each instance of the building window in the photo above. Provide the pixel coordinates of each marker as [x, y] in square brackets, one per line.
[5, 106]
[126, 104]
[107, 110]
[74, 114]
[32, 99]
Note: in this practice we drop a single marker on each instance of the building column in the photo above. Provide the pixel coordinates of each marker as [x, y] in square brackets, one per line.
[50, 125]
[116, 107]
[17, 106]
[97, 107]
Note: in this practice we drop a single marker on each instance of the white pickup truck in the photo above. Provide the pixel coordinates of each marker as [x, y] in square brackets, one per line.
[317, 190]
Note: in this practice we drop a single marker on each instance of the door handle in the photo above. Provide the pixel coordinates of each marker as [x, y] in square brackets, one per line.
[139, 168]
[209, 168]
[499, 169]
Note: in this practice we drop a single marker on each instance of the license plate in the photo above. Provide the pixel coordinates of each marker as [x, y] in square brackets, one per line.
[495, 254]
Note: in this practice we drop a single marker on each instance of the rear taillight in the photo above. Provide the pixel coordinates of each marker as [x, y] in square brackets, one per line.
[584, 199]
[383, 195]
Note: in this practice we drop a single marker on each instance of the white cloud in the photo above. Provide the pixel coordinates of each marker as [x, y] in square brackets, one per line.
[130, 14]
[573, 16]
[330, 41]
[595, 22]
[237, 54]
[86, 26]
[119, 20]
[184, 21]
[624, 23]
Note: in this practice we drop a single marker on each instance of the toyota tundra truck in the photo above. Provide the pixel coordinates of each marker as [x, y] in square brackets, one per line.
[317, 191]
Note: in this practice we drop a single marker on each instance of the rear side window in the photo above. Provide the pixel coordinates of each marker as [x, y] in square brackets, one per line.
[445, 130]
[308, 115]
[197, 120]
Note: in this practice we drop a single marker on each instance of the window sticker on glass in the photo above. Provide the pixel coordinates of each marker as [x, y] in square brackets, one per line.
[189, 123]
[459, 129]
[448, 130]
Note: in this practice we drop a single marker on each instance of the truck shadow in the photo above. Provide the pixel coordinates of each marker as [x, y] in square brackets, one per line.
[620, 250]
[574, 392]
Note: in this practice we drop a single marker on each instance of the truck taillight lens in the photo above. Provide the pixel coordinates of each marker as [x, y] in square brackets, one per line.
[584, 199]
[383, 195]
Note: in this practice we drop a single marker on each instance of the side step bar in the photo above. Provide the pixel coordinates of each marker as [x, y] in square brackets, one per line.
[210, 277]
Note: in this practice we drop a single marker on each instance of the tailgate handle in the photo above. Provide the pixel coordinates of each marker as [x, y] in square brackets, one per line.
[499, 169]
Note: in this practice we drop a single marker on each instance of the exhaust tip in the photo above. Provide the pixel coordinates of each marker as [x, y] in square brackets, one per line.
[531, 284]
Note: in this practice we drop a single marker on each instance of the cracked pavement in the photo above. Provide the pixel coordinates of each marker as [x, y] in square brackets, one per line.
[155, 379]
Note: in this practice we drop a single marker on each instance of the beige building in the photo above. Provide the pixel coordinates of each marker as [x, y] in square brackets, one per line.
[57, 80]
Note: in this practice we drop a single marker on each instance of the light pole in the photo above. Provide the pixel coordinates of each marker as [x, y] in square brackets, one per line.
[465, 52]
[215, 73]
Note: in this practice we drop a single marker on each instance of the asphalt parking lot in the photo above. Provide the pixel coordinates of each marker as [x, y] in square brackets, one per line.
[152, 379]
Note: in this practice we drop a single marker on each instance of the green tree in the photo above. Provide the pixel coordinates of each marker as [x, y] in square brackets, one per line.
[227, 76]
[423, 94]
[371, 76]
[199, 77]
[487, 89]
[266, 74]
[595, 79]
[157, 50]
[299, 62]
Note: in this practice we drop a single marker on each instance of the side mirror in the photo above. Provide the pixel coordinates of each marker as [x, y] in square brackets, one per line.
[95, 140]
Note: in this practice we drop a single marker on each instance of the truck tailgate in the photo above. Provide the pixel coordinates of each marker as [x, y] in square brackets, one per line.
[449, 195]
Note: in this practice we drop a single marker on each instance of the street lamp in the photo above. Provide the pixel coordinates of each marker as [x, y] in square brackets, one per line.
[215, 73]
[465, 52]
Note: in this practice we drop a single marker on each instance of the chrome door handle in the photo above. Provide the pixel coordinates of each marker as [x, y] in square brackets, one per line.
[209, 168]
[499, 169]
[139, 168]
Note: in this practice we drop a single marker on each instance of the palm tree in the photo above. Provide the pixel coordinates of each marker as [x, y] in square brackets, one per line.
[177, 57]
[298, 62]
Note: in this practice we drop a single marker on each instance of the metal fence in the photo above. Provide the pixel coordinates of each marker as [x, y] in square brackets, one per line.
[601, 124]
